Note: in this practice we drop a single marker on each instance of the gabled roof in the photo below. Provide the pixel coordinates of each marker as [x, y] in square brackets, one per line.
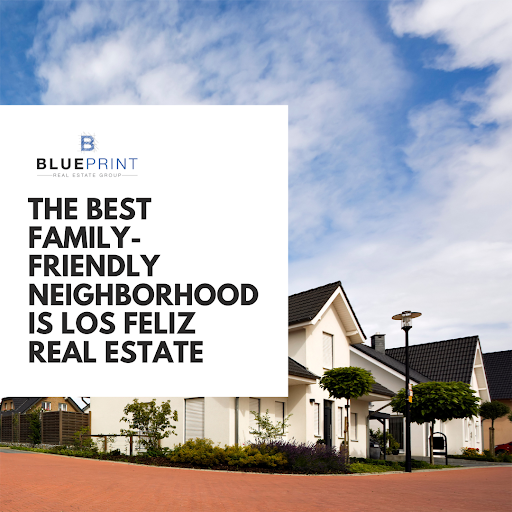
[390, 362]
[21, 404]
[295, 368]
[379, 389]
[445, 361]
[498, 368]
[304, 306]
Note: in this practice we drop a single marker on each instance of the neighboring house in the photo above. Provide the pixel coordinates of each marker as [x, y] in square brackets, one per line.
[62, 418]
[86, 408]
[498, 368]
[322, 328]
[447, 361]
[23, 405]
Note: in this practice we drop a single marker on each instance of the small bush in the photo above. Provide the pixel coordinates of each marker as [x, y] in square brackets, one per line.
[202, 452]
[360, 467]
[307, 457]
[472, 452]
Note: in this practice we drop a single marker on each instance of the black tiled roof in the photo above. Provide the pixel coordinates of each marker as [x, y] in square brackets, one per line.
[21, 404]
[498, 369]
[304, 306]
[298, 370]
[381, 390]
[392, 363]
[445, 361]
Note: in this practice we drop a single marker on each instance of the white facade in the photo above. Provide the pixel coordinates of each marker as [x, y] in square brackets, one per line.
[459, 432]
[319, 344]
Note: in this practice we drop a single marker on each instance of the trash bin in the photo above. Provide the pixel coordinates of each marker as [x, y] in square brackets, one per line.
[374, 450]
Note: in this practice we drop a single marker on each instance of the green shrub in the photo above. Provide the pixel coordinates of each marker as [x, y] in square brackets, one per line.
[34, 427]
[361, 467]
[203, 452]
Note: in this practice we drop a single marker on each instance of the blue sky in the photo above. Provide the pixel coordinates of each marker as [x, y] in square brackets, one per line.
[400, 122]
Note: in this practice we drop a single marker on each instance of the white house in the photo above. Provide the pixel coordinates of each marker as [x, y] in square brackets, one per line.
[457, 360]
[322, 330]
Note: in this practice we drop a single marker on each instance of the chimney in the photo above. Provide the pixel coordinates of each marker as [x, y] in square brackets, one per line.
[379, 342]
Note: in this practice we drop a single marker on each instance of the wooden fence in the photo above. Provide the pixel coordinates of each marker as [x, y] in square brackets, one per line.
[58, 427]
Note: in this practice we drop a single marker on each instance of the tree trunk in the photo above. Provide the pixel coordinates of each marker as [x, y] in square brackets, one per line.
[491, 439]
[431, 443]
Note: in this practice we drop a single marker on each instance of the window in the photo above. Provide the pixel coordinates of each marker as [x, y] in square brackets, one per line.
[280, 412]
[63, 407]
[316, 419]
[396, 429]
[194, 418]
[46, 406]
[254, 406]
[339, 420]
[353, 426]
[328, 350]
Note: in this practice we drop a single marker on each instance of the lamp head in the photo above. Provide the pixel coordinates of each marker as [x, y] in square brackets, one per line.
[406, 318]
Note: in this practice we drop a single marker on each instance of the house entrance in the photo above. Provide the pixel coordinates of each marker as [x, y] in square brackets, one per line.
[328, 422]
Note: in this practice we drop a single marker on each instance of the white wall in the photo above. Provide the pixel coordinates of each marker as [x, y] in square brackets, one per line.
[454, 429]
[306, 347]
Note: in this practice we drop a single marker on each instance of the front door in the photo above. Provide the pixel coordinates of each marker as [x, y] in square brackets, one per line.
[328, 422]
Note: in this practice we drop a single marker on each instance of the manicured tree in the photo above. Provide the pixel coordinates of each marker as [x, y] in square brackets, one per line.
[492, 411]
[34, 426]
[438, 401]
[347, 382]
[150, 420]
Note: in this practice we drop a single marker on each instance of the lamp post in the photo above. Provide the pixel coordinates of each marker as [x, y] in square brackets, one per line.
[406, 318]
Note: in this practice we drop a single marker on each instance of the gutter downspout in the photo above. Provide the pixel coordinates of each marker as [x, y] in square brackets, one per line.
[237, 410]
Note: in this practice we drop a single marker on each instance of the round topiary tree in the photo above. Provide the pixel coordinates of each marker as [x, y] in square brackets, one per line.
[347, 382]
[492, 411]
[438, 401]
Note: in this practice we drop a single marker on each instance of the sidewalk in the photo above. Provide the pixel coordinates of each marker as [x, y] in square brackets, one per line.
[40, 482]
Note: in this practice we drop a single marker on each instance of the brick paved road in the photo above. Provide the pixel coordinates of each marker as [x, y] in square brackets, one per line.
[39, 483]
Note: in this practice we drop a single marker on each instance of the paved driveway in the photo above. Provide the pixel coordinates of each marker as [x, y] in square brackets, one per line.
[40, 482]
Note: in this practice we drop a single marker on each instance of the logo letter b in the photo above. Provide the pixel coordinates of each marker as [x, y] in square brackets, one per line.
[87, 143]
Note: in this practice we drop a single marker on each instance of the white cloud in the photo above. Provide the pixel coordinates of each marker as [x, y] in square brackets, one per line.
[449, 254]
[430, 235]
[323, 60]
[447, 251]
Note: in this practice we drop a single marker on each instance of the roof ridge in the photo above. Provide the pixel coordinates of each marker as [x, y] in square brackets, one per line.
[432, 342]
[497, 352]
[317, 288]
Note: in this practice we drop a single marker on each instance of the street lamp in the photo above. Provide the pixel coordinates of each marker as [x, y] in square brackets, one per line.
[406, 318]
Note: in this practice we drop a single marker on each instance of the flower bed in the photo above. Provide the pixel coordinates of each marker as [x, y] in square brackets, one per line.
[285, 457]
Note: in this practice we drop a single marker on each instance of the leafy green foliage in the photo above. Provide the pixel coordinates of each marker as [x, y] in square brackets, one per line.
[34, 427]
[493, 410]
[308, 458]
[150, 420]
[438, 401]
[391, 442]
[348, 382]
[202, 452]
[360, 465]
[81, 442]
[267, 429]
